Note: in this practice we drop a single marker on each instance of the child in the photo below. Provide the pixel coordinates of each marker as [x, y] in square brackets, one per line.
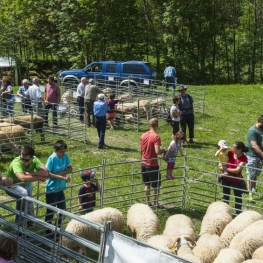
[111, 113]
[8, 250]
[87, 192]
[171, 153]
[222, 155]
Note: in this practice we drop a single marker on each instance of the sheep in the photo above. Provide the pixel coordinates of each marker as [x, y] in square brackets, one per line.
[85, 231]
[232, 256]
[25, 122]
[67, 97]
[248, 240]
[142, 222]
[217, 216]
[6, 143]
[253, 261]
[161, 242]
[129, 118]
[238, 224]
[125, 97]
[207, 248]
[179, 226]
[158, 105]
[13, 132]
[258, 253]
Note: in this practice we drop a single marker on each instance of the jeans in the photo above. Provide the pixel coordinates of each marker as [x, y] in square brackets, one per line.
[170, 80]
[89, 108]
[80, 101]
[188, 120]
[20, 203]
[54, 108]
[8, 108]
[56, 199]
[237, 192]
[100, 123]
[175, 126]
[26, 105]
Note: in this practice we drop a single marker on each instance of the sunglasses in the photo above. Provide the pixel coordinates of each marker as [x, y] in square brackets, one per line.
[24, 159]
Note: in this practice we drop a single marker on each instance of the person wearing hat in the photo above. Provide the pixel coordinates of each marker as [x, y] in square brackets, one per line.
[87, 192]
[222, 156]
[91, 92]
[187, 108]
[7, 97]
[100, 109]
[26, 103]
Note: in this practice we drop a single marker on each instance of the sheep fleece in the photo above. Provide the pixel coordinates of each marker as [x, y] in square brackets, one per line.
[248, 240]
[232, 255]
[85, 231]
[160, 241]
[239, 224]
[142, 221]
[258, 254]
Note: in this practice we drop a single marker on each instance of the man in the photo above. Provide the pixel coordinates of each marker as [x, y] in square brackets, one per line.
[80, 99]
[150, 144]
[52, 99]
[26, 103]
[25, 169]
[91, 92]
[255, 155]
[169, 76]
[100, 109]
[187, 116]
[34, 94]
[58, 166]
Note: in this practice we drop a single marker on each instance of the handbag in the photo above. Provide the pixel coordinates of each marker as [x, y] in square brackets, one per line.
[168, 118]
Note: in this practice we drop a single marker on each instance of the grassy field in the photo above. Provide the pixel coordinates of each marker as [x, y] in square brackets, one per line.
[229, 112]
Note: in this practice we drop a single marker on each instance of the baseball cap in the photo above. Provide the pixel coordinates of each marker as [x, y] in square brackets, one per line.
[87, 175]
[222, 143]
[101, 96]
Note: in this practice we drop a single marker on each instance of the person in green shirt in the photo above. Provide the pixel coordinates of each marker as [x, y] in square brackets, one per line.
[24, 170]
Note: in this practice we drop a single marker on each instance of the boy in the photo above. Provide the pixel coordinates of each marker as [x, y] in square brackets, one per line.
[58, 166]
[87, 192]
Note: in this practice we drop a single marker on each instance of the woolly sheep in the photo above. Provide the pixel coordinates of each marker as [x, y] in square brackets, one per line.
[217, 216]
[126, 96]
[142, 222]
[179, 226]
[238, 224]
[85, 231]
[232, 255]
[162, 242]
[129, 117]
[258, 253]
[6, 143]
[25, 122]
[248, 240]
[207, 248]
[253, 261]
[14, 132]
[67, 97]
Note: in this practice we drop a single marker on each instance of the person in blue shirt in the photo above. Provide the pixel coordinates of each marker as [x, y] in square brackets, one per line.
[169, 76]
[100, 108]
[26, 103]
[58, 166]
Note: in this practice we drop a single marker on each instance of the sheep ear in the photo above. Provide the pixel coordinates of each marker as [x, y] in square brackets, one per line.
[192, 243]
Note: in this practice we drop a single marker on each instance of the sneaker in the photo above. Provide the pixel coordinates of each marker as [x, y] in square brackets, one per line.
[103, 147]
[168, 177]
[111, 128]
[191, 141]
[172, 177]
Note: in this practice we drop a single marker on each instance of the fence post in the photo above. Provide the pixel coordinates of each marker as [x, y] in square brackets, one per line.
[32, 130]
[102, 182]
[138, 112]
[184, 182]
[104, 237]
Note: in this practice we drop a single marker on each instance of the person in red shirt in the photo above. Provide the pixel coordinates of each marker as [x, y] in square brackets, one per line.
[52, 99]
[150, 144]
[237, 160]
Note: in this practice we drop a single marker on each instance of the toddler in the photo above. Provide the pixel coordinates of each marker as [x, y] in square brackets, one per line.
[222, 156]
[171, 153]
[87, 192]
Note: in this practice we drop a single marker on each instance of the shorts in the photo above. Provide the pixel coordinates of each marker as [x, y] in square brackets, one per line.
[110, 115]
[170, 165]
[254, 167]
[151, 175]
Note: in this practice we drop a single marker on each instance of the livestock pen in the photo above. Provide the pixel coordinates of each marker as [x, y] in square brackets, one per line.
[190, 193]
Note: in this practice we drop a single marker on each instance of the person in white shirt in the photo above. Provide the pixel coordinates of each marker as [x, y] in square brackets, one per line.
[80, 99]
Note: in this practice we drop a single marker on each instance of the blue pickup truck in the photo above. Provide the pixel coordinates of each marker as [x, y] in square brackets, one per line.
[132, 73]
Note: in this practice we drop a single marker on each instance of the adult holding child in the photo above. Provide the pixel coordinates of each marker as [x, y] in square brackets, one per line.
[187, 116]
[237, 160]
[255, 155]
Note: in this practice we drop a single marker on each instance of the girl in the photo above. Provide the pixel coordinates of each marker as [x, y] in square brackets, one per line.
[171, 153]
[111, 113]
[175, 113]
[8, 250]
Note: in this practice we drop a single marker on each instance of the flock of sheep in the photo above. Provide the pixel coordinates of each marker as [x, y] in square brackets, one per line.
[221, 238]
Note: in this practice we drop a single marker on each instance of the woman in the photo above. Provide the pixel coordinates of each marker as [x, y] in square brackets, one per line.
[175, 113]
[111, 113]
[7, 97]
[26, 103]
[236, 161]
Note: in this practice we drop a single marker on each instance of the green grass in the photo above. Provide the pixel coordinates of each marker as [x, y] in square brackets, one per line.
[229, 112]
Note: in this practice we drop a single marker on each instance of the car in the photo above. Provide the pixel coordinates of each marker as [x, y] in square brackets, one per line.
[112, 73]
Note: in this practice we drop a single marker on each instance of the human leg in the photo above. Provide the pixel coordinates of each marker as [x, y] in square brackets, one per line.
[170, 168]
[89, 106]
[155, 178]
[175, 125]
[47, 107]
[55, 114]
[10, 107]
[191, 123]
[183, 123]
[238, 196]
[102, 131]
[81, 108]
[61, 204]
[166, 83]
[226, 190]
[146, 181]
[51, 199]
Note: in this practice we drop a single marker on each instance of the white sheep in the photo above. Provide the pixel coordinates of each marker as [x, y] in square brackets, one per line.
[15, 133]
[129, 118]
[253, 261]
[237, 225]
[207, 248]
[125, 97]
[232, 256]
[217, 216]
[248, 240]
[142, 222]
[6, 143]
[179, 226]
[85, 231]
[162, 242]
[67, 97]
[258, 253]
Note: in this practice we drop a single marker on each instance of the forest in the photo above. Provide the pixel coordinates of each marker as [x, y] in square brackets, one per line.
[208, 41]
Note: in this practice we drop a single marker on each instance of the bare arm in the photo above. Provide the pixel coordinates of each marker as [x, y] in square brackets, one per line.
[237, 169]
[60, 175]
[41, 174]
[192, 107]
[256, 148]
[158, 150]
[176, 113]
[217, 153]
